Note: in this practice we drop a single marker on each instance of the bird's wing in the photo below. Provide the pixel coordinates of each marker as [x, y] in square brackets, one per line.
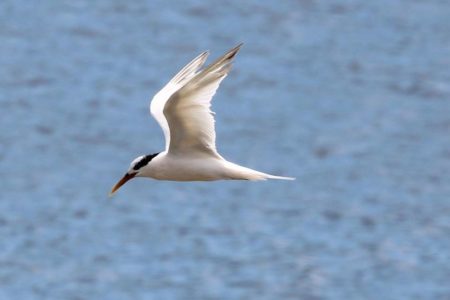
[188, 113]
[160, 99]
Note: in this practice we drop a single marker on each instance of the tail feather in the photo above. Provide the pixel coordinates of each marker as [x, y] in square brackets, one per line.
[279, 177]
[242, 173]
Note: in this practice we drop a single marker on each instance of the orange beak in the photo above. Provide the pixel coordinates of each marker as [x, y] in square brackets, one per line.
[121, 182]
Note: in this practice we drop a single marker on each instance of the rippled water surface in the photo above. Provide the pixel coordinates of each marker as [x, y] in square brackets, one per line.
[351, 97]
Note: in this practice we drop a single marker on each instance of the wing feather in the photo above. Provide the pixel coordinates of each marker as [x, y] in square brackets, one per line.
[160, 99]
[188, 113]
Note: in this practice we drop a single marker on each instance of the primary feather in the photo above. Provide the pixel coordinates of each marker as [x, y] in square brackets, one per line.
[159, 100]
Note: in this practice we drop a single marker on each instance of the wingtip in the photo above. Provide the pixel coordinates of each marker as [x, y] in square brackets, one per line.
[234, 51]
[203, 57]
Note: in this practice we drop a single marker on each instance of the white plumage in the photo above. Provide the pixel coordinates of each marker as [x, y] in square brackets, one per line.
[182, 109]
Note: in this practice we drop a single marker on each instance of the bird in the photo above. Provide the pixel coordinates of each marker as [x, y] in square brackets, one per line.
[182, 109]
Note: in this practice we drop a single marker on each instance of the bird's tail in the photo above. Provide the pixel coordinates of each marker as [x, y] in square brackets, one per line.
[279, 177]
[242, 173]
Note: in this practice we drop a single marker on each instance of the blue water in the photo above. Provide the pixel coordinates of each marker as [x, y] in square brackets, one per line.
[351, 97]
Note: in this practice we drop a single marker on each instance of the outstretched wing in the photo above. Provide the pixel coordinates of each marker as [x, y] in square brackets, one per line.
[188, 113]
[160, 99]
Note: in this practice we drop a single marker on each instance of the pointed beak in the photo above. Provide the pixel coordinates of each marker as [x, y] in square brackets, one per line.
[121, 182]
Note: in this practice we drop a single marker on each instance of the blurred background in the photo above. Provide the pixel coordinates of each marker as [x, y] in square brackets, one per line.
[350, 97]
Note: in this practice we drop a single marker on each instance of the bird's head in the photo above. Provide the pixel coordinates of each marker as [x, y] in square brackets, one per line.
[135, 170]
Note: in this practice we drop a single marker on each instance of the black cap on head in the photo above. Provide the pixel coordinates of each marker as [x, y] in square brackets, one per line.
[144, 161]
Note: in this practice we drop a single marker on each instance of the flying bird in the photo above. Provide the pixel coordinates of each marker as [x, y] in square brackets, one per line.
[182, 109]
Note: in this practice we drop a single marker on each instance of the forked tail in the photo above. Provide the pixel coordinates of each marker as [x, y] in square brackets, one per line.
[242, 173]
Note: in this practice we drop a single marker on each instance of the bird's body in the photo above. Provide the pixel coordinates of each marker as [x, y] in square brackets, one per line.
[182, 109]
[166, 166]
